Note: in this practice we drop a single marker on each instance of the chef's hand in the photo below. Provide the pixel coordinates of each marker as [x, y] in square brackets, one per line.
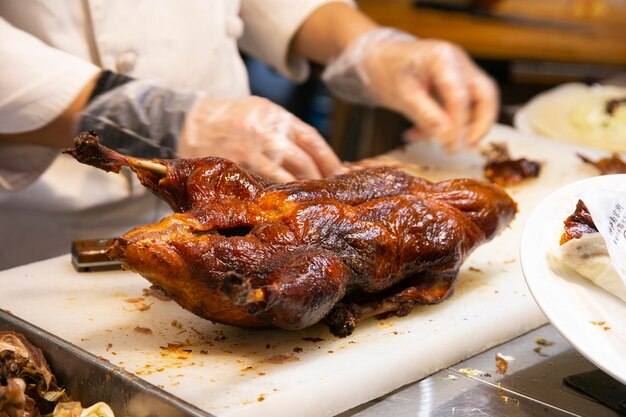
[433, 83]
[258, 135]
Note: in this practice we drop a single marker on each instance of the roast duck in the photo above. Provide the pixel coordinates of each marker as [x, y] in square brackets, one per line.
[249, 252]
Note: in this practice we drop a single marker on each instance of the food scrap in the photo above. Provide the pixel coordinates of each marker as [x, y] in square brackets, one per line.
[176, 351]
[71, 409]
[500, 169]
[143, 306]
[543, 342]
[609, 165]
[537, 350]
[313, 339]
[139, 303]
[601, 324]
[280, 359]
[143, 330]
[156, 292]
[506, 398]
[502, 362]
[473, 372]
[448, 378]
[28, 387]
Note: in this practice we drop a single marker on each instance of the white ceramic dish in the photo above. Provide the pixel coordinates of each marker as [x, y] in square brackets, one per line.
[576, 113]
[591, 319]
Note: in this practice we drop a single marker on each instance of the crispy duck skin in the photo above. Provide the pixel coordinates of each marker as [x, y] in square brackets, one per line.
[578, 223]
[504, 171]
[248, 252]
[607, 166]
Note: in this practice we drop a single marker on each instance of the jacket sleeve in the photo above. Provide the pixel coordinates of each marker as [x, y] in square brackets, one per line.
[269, 27]
[37, 84]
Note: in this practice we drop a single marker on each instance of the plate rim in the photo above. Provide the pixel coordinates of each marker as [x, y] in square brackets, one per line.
[528, 265]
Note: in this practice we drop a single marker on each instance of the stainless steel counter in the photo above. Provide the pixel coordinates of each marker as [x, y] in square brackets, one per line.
[532, 385]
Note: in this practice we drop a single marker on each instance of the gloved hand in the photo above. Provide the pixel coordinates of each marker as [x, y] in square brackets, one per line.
[145, 119]
[260, 136]
[433, 83]
[138, 118]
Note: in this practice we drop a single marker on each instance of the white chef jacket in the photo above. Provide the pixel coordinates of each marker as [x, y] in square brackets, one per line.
[50, 49]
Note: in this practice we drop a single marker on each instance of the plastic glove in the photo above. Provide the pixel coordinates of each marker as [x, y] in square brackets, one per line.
[432, 83]
[139, 118]
[259, 135]
[144, 119]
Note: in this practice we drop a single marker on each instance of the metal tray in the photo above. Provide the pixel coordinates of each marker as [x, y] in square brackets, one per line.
[90, 379]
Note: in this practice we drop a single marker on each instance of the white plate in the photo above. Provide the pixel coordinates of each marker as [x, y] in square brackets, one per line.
[572, 303]
[576, 113]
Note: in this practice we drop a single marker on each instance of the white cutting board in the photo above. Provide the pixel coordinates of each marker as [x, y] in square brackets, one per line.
[230, 372]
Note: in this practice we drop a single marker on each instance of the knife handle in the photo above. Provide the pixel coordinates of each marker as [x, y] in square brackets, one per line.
[90, 255]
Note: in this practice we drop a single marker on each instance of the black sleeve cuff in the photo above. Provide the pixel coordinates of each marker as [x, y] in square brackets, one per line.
[108, 80]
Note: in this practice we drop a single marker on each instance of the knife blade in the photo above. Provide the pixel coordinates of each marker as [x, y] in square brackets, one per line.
[90, 255]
